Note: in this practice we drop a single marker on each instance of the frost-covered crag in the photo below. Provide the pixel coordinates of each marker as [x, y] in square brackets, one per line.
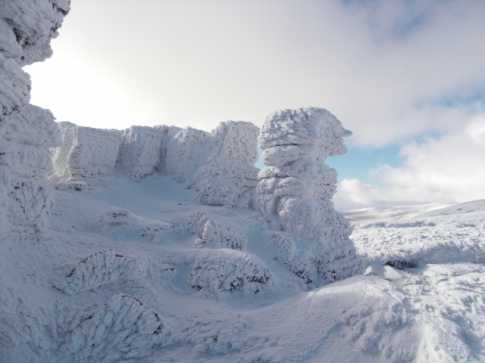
[229, 176]
[85, 153]
[26, 132]
[218, 166]
[294, 193]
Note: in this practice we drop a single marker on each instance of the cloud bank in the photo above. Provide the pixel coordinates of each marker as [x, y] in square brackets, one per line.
[446, 169]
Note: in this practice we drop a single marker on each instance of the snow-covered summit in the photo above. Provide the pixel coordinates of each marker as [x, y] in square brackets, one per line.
[168, 246]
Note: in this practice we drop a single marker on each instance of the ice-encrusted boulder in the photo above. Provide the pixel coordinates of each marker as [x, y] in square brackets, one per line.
[229, 176]
[141, 150]
[26, 132]
[86, 153]
[294, 192]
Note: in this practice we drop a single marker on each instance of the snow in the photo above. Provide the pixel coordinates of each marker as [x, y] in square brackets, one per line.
[86, 153]
[164, 245]
[229, 176]
[140, 151]
[219, 302]
[294, 192]
[26, 132]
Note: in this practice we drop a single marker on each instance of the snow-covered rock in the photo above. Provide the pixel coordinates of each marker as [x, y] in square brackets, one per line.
[101, 268]
[123, 329]
[210, 232]
[228, 271]
[186, 150]
[141, 151]
[294, 192]
[229, 176]
[33, 24]
[26, 132]
[86, 153]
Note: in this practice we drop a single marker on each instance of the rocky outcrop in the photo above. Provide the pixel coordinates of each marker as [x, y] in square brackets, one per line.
[123, 329]
[26, 132]
[141, 150]
[99, 269]
[294, 192]
[218, 166]
[186, 150]
[225, 271]
[86, 153]
[229, 176]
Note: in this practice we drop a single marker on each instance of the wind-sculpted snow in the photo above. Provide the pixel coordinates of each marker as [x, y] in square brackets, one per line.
[86, 153]
[229, 176]
[98, 269]
[228, 271]
[294, 192]
[26, 132]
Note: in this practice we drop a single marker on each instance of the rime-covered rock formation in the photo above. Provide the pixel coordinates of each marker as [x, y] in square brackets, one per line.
[98, 269]
[141, 150]
[218, 166]
[86, 153]
[229, 176]
[209, 232]
[186, 150]
[123, 329]
[294, 192]
[229, 271]
[26, 132]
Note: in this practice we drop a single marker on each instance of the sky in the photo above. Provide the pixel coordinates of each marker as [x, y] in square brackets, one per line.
[406, 76]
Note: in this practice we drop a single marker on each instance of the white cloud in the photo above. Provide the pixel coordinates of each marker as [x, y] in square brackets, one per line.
[446, 169]
[379, 65]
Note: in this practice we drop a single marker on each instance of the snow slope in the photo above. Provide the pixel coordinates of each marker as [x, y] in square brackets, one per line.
[130, 251]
